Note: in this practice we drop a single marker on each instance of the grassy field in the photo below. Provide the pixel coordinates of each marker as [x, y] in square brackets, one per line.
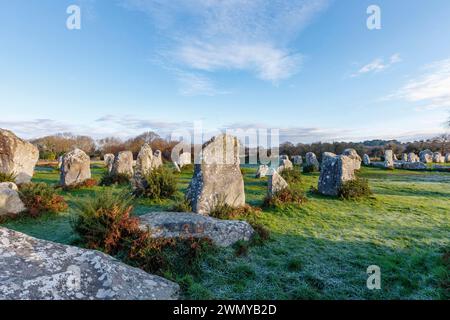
[320, 250]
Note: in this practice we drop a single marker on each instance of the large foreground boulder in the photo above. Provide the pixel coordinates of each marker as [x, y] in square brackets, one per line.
[34, 269]
[75, 168]
[311, 160]
[10, 202]
[123, 164]
[17, 156]
[218, 178]
[335, 171]
[222, 233]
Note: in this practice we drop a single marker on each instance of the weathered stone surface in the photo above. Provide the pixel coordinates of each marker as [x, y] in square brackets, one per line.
[414, 166]
[184, 159]
[437, 158]
[388, 159]
[426, 156]
[10, 202]
[335, 171]
[285, 164]
[75, 168]
[34, 269]
[109, 161]
[447, 158]
[297, 160]
[263, 170]
[366, 160]
[217, 179]
[144, 160]
[223, 233]
[352, 154]
[311, 160]
[327, 155]
[17, 156]
[394, 156]
[275, 183]
[123, 164]
[157, 159]
[412, 157]
[404, 157]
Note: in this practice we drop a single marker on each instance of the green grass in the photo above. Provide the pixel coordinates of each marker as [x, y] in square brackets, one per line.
[319, 250]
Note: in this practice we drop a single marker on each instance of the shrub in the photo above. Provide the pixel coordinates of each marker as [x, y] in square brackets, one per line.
[355, 189]
[109, 179]
[47, 155]
[309, 168]
[160, 183]
[288, 195]
[224, 211]
[40, 198]
[291, 176]
[88, 183]
[7, 177]
[104, 223]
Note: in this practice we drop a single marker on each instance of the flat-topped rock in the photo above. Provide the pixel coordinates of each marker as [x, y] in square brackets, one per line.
[222, 233]
[34, 269]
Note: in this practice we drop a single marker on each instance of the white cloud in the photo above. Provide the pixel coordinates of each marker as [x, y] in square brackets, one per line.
[193, 84]
[431, 89]
[378, 65]
[245, 35]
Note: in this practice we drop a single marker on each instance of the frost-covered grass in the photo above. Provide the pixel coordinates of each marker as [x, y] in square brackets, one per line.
[319, 250]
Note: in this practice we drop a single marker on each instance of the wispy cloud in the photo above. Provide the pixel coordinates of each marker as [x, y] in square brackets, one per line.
[245, 35]
[378, 65]
[194, 84]
[431, 89]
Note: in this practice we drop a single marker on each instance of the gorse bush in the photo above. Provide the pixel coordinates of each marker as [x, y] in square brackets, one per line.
[109, 179]
[41, 198]
[160, 183]
[104, 223]
[7, 177]
[355, 189]
[88, 183]
[292, 176]
[225, 211]
[289, 195]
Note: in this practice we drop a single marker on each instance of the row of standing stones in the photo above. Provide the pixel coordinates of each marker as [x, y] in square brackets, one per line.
[46, 268]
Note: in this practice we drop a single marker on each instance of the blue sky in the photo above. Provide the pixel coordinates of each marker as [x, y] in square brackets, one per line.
[310, 68]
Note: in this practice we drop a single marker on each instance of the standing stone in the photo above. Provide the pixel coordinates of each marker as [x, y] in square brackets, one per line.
[394, 156]
[276, 183]
[327, 155]
[388, 159]
[157, 159]
[352, 154]
[263, 170]
[60, 158]
[437, 157]
[144, 160]
[218, 178]
[123, 164]
[311, 160]
[34, 269]
[426, 156]
[297, 160]
[412, 157]
[447, 158]
[335, 171]
[75, 168]
[17, 156]
[285, 164]
[10, 202]
[405, 157]
[366, 160]
[184, 159]
[109, 161]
